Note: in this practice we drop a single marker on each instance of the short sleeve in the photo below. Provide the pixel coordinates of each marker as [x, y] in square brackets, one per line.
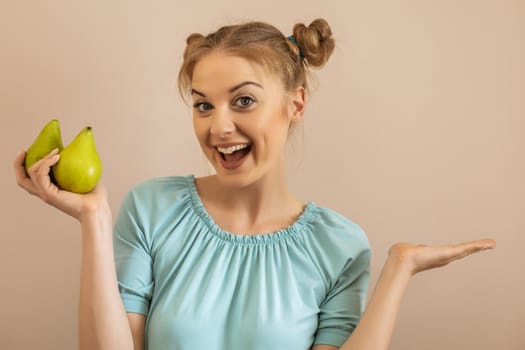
[344, 304]
[133, 262]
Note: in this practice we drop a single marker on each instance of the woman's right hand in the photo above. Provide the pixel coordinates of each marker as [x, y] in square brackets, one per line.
[39, 184]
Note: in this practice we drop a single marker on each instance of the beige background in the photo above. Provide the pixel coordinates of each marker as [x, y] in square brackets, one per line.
[416, 133]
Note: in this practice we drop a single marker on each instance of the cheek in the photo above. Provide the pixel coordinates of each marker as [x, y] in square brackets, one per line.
[274, 120]
[199, 130]
[272, 133]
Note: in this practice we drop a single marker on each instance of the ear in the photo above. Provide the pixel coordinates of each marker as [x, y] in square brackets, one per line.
[298, 104]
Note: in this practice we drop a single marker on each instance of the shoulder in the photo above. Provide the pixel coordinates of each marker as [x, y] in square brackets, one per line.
[159, 192]
[154, 203]
[334, 229]
[161, 184]
[160, 187]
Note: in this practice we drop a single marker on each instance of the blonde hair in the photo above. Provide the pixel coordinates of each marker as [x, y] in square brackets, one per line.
[290, 59]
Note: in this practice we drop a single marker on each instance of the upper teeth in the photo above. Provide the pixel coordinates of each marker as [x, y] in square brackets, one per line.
[230, 150]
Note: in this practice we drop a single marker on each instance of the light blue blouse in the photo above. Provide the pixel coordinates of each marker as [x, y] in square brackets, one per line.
[205, 288]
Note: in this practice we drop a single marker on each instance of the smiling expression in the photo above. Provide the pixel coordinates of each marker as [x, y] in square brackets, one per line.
[238, 104]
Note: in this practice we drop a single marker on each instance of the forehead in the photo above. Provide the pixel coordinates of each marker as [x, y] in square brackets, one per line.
[218, 72]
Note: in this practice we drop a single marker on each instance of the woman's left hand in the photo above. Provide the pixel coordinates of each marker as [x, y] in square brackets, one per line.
[419, 257]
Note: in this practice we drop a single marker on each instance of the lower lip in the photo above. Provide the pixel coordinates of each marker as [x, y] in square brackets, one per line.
[234, 164]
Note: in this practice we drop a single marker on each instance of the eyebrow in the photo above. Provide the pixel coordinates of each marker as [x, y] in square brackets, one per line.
[236, 87]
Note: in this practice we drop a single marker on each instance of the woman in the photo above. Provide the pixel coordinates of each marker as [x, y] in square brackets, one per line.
[234, 260]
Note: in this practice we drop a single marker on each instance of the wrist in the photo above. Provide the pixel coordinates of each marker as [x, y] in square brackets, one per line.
[399, 266]
[96, 216]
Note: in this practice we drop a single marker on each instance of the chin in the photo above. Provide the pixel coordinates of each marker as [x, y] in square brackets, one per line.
[235, 180]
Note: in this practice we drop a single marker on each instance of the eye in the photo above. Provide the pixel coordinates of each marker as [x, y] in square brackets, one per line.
[244, 101]
[203, 106]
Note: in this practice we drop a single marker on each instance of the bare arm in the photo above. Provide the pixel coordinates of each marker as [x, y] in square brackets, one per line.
[137, 323]
[103, 323]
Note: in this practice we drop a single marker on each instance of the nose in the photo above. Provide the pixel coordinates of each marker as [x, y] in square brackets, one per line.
[221, 123]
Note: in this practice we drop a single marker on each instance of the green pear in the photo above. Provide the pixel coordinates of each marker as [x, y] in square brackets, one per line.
[48, 139]
[79, 167]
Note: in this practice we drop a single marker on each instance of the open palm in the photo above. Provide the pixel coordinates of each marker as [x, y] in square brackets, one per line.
[420, 257]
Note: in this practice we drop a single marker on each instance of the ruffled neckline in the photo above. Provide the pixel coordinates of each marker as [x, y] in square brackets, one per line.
[261, 238]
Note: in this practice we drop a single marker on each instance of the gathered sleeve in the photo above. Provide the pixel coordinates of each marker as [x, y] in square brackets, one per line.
[345, 302]
[133, 261]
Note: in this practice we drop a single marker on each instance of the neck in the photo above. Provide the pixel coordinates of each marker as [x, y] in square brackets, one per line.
[256, 205]
[268, 192]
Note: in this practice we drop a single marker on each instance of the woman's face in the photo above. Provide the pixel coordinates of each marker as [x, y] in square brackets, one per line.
[241, 116]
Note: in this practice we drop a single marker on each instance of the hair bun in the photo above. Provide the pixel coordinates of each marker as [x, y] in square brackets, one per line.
[315, 41]
[191, 41]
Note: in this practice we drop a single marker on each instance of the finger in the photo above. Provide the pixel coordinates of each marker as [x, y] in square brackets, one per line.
[40, 176]
[35, 168]
[19, 159]
[39, 172]
[464, 249]
[477, 245]
[20, 173]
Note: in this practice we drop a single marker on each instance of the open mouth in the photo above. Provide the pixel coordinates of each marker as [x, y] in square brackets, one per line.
[233, 157]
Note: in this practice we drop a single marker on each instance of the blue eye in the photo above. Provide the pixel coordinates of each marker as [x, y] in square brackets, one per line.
[203, 106]
[244, 101]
